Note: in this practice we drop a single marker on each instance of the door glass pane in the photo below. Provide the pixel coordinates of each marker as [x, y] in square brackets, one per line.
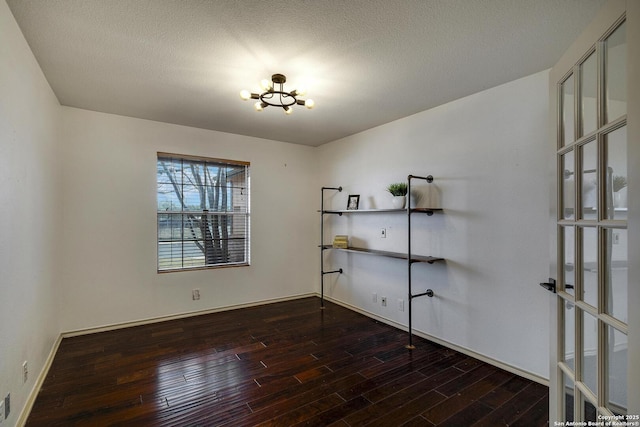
[589, 352]
[568, 185]
[590, 413]
[588, 91]
[589, 265]
[568, 397]
[615, 74]
[615, 271]
[589, 180]
[568, 111]
[616, 371]
[616, 192]
[569, 335]
[569, 270]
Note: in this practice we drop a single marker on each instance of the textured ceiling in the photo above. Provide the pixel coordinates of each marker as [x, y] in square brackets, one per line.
[364, 62]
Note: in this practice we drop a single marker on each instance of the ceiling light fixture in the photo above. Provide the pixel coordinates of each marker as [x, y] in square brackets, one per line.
[277, 97]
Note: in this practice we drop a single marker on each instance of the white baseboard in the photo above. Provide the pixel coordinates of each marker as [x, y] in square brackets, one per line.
[33, 394]
[509, 368]
[150, 320]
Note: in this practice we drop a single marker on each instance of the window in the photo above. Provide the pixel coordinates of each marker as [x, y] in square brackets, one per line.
[203, 212]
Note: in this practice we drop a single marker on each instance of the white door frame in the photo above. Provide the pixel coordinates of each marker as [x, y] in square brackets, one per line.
[633, 169]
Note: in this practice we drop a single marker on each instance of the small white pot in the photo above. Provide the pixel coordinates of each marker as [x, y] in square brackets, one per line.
[398, 202]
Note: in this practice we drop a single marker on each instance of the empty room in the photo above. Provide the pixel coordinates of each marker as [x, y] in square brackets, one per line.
[347, 213]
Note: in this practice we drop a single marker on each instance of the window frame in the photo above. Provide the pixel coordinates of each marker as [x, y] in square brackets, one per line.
[235, 215]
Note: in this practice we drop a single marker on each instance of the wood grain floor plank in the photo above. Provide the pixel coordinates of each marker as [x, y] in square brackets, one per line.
[417, 422]
[502, 394]
[383, 407]
[536, 416]
[336, 413]
[464, 397]
[409, 410]
[467, 415]
[514, 408]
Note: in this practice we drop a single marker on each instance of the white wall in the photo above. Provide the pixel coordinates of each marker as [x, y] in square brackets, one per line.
[109, 245]
[487, 154]
[29, 215]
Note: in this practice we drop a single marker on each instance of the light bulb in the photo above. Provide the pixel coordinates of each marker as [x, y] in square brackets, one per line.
[245, 94]
[288, 110]
[258, 106]
[309, 103]
[265, 84]
[301, 91]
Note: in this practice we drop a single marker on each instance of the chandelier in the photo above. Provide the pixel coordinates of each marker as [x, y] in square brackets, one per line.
[276, 96]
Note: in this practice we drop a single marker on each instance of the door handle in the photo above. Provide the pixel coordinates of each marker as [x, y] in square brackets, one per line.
[550, 285]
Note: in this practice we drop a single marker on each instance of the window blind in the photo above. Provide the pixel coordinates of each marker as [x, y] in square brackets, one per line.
[203, 212]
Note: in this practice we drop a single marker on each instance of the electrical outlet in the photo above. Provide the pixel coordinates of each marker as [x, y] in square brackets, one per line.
[374, 297]
[383, 301]
[616, 238]
[195, 294]
[25, 372]
[383, 233]
[400, 304]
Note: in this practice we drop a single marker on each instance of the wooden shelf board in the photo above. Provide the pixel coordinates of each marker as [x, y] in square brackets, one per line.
[388, 254]
[352, 211]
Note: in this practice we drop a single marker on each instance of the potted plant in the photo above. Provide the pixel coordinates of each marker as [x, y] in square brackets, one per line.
[399, 192]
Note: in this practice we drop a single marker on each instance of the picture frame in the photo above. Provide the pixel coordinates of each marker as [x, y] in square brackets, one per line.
[353, 202]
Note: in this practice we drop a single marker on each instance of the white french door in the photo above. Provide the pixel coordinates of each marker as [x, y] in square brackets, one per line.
[591, 374]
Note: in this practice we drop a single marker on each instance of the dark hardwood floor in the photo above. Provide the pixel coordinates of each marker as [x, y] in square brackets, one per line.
[283, 364]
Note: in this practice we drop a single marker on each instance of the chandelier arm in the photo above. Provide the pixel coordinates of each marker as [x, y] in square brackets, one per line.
[268, 98]
[271, 96]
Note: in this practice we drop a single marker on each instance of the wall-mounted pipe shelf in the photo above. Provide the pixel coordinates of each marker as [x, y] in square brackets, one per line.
[428, 211]
[397, 255]
[408, 256]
